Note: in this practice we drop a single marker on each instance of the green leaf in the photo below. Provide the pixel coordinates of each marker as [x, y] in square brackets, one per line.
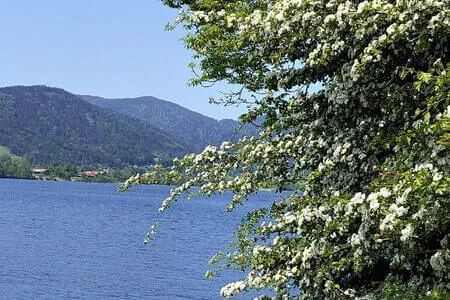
[424, 77]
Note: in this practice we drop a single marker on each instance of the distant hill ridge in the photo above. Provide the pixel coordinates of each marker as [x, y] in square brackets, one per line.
[190, 128]
[50, 125]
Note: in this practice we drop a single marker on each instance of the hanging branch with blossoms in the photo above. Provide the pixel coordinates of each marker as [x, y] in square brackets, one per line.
[366, 156]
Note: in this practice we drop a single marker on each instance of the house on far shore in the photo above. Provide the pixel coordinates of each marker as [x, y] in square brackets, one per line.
[90, 173]
[41, 172]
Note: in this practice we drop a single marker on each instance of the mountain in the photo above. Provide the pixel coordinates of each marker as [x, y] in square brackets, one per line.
[49, 125]
[189, 128]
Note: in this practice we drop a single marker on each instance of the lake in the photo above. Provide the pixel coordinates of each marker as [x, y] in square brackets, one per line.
[84, 241]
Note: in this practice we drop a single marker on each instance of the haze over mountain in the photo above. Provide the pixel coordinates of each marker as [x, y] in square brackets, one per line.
[192, 129]
[49, 125]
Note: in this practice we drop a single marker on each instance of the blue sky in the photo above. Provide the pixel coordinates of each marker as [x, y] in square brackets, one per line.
[103, 48]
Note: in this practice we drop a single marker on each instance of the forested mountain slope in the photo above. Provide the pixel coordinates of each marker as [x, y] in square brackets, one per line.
[188, 127]
[49, 125]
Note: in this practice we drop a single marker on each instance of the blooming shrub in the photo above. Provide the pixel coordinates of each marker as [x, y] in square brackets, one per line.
[366, 155]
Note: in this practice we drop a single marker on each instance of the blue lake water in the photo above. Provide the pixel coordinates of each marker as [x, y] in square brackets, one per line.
[64, 240]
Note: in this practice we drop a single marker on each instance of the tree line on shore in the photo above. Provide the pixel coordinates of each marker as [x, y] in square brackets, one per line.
[17, 167]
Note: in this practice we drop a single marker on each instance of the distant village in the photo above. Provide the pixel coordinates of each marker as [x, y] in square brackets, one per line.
[39, 172]
[72, 173]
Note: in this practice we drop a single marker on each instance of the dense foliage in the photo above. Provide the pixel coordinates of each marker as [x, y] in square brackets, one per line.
[371, 220]
[48, 125]
[15, 167]
[189, 128]
[61, 172]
